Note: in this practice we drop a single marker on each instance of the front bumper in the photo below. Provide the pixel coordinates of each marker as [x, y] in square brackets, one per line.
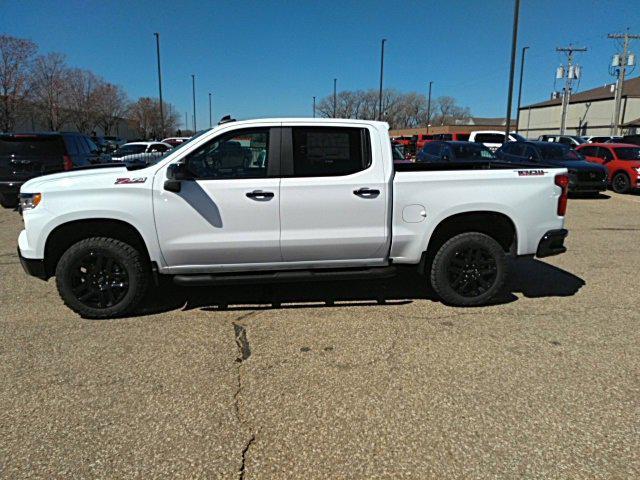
[552, 243]
[33, 266]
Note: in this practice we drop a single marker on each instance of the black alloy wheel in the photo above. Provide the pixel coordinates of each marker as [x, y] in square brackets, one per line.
[472, 270]
[98, 280]
[620, 183]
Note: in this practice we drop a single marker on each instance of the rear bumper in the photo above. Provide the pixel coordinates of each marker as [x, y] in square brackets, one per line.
[552, 243]
[33, 266]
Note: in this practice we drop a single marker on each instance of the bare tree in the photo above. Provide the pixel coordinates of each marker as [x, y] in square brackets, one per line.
[83, 88]
[145, 113]
[111, 105]
[16, 55]
[50, 89]
[446, 111]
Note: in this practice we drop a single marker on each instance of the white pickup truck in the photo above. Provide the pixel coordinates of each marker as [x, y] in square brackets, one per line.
[281, 200]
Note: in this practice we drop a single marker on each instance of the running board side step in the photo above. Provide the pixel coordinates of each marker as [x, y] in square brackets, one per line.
[199, 280]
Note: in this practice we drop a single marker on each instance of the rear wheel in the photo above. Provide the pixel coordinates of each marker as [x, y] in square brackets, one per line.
[469, 269]
[621, 183]
[102, 277]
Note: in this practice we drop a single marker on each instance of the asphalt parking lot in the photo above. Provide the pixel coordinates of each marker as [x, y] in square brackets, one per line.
[317, 381]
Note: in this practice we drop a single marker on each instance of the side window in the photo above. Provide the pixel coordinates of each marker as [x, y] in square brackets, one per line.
[490, 138]
[589, 151]
[239, 154]
[72, 146]
[328, 151]
[605, 154]
[433, 149]
[565, 141]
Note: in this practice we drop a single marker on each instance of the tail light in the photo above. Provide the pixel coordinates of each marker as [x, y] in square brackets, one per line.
[68, 164]
[563, 182]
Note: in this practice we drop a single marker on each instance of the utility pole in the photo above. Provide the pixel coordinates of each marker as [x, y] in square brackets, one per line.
[524, 49]
[160, 83]
[429, 106]
[620, 63]
[571, 73]
[193, 85]
[314, 107]
[335, 103]
[514, 43]
[210, 124]
[381, 75]
[186, 121]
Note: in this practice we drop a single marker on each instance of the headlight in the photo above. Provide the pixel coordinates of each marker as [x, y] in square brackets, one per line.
[29, 200]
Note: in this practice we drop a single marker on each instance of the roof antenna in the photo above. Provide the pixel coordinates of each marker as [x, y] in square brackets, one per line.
[226, 119]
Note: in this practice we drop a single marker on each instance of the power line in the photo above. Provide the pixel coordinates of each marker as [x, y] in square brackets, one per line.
[570, 74]
[620, 63]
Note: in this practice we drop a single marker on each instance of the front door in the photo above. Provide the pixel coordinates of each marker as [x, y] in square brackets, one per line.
[333, 196]
[229, 213]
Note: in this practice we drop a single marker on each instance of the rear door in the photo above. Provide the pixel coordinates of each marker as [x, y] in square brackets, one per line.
[333, 196]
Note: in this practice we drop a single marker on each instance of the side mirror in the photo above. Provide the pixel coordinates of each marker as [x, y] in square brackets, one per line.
[176, 174]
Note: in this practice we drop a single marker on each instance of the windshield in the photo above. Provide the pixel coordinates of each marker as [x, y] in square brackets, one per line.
[580, 140]
[556, 151]
[518, 137]
[472, 152]
[397, 152]
[628, 153]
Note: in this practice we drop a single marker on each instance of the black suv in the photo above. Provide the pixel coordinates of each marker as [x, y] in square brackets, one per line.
[28, 155]
[584, 176]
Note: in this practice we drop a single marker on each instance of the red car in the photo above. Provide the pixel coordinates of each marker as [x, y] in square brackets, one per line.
[622, 161]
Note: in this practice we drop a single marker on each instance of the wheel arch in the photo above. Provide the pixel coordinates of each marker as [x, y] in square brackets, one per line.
[71, 232]
[497, 225]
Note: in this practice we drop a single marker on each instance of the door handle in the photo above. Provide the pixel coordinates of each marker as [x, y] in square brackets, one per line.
[260, 195]
[366, 192]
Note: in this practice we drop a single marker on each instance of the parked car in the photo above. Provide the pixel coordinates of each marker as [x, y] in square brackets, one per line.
[622, 161]
[454, 152]
[493, 139]
[634, 139]
[326, 203]
[140, 150]
[601, 139]
[175, 141]
[584, 176]
[570, 140]
[27, 155]
[108, 144]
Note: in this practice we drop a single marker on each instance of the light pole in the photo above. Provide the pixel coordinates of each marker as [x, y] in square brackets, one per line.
[193, 85]
[381, 75]
[514, 42]
[524, 50]
[429, 107]
[314, 107]
[210, 124]
[335, 81]
[160, 83]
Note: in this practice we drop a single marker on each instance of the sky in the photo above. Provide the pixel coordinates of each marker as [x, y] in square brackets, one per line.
[269, 58]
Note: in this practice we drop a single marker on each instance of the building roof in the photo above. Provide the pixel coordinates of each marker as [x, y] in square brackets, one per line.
[631, 88]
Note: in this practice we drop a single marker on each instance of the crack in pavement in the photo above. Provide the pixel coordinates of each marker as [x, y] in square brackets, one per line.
[244, 352]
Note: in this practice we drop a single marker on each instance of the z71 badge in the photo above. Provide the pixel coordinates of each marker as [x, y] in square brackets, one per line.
[124, 181]
[530, 173]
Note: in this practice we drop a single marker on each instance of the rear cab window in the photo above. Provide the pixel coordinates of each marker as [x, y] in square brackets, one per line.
[330, 151]
[31, 145]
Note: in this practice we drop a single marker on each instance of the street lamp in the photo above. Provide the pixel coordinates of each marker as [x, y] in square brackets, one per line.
[381, 75]
[335, 81]
[524, 50]
[157, 35]
[514, 42]
[210, 123]
[314, 107]
[193, 86]
[429, 107]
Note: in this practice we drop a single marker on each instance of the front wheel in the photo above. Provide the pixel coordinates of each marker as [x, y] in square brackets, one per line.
[8, 201]
[102, 277]
[469, 269]
[621, 183]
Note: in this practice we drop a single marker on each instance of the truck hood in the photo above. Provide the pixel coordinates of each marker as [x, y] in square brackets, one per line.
[75, 177]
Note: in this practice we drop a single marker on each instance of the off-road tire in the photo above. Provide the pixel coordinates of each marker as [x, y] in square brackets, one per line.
[130, 265]
[447, 277]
